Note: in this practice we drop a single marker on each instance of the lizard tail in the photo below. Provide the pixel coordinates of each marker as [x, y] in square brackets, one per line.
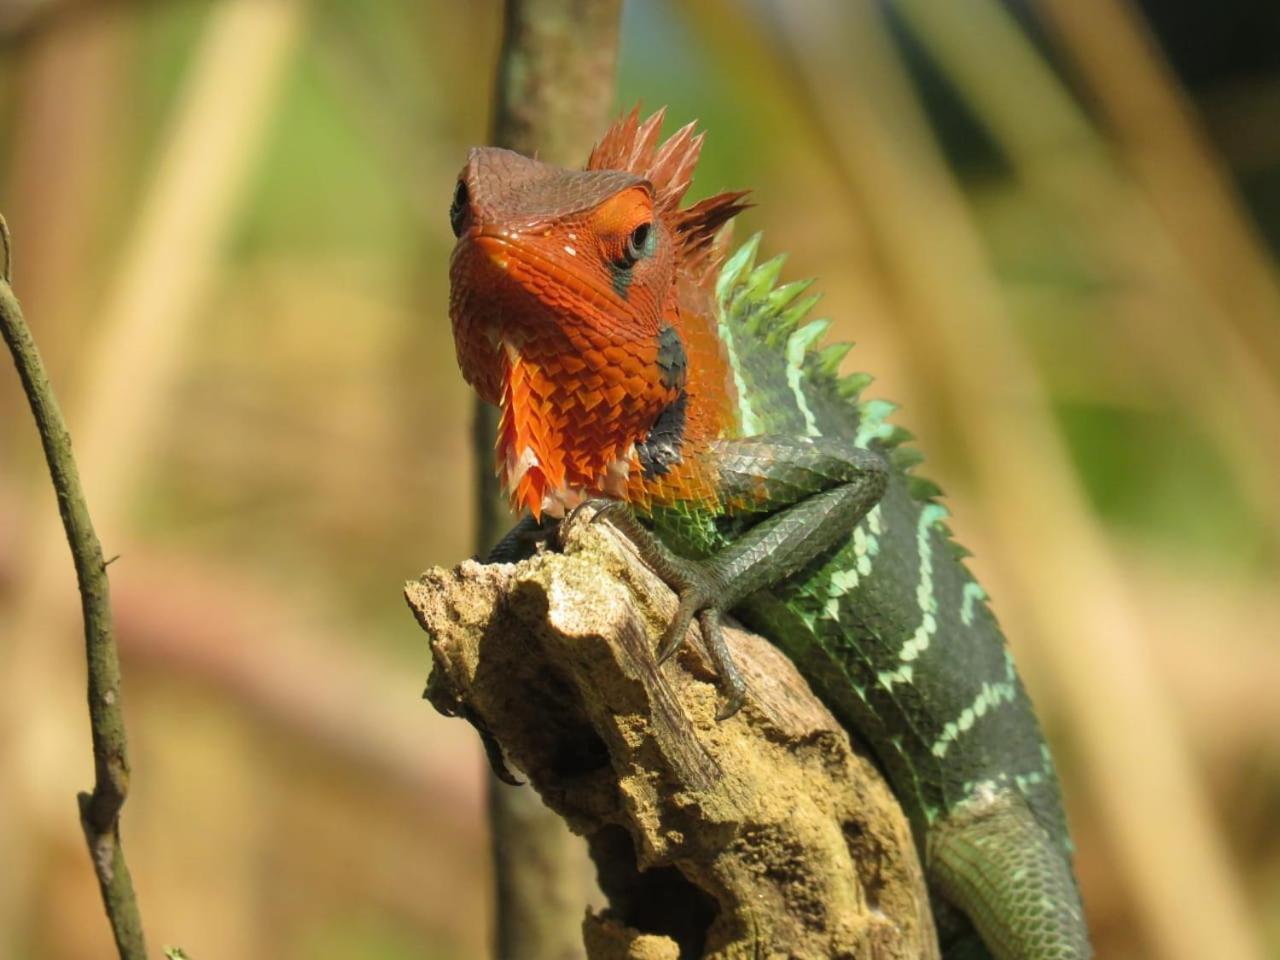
[994, 860]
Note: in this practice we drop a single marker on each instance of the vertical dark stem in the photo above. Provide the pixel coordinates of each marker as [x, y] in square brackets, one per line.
[556, 76]
[100, 810]
[553, 95]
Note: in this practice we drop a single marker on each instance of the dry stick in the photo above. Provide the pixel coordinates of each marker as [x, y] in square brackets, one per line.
[761, 835]
[99, 811]
[554, 90]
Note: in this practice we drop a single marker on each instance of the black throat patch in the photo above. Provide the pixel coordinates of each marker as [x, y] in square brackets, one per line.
[673, 365]
[660, 450]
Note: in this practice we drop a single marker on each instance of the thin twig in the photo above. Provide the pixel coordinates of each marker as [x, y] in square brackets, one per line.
[6, 242]
[99, 810]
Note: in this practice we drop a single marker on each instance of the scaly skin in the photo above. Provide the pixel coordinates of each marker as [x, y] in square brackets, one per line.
[631, 365]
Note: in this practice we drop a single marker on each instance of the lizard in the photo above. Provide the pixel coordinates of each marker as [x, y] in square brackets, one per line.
[642, 369]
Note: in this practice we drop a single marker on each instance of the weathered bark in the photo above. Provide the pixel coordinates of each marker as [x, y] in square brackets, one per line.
[766, 834]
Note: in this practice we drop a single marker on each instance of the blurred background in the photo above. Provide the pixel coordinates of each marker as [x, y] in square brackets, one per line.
[1050, 225]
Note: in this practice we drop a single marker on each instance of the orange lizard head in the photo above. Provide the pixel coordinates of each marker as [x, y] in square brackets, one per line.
[564, 302]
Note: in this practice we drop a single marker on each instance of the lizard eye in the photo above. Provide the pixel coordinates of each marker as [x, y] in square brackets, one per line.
[639, 244]
[458, 209]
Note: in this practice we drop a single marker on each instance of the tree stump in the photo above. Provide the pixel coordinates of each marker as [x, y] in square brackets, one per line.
[764, 835]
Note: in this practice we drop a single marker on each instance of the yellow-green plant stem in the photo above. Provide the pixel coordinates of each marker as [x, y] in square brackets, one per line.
[99, 810]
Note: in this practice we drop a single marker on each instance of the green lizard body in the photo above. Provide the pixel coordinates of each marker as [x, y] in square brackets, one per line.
[782, 496]
[890, 628]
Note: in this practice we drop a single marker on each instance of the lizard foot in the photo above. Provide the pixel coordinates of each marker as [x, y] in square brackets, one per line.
[696, 585]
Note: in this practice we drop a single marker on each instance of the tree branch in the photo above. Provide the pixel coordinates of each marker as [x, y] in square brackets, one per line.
[764, 834]
[99, 810]
[553, 90]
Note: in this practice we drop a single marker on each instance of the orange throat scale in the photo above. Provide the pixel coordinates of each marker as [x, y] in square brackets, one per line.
[582, 306]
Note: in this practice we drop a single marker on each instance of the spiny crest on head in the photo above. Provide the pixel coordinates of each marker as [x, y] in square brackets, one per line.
[632, 145]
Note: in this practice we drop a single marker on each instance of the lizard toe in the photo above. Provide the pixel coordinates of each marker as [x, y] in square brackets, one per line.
[696, 591]
[601, 506]
[731, 682]
[673, 637]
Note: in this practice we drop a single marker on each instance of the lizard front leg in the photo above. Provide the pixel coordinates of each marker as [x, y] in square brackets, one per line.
[810, 491]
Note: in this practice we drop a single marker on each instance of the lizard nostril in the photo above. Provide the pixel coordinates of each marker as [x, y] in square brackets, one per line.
[459, 208]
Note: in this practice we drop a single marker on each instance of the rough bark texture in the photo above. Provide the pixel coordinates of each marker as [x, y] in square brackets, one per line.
[762, 835]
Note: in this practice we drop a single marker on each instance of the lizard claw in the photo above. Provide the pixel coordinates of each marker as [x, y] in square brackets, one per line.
[735, 689]
[673, 637]
[603, 508]
[694, 600]
[493, 751]
[700, 592]
[698, 599]
[606, 509]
